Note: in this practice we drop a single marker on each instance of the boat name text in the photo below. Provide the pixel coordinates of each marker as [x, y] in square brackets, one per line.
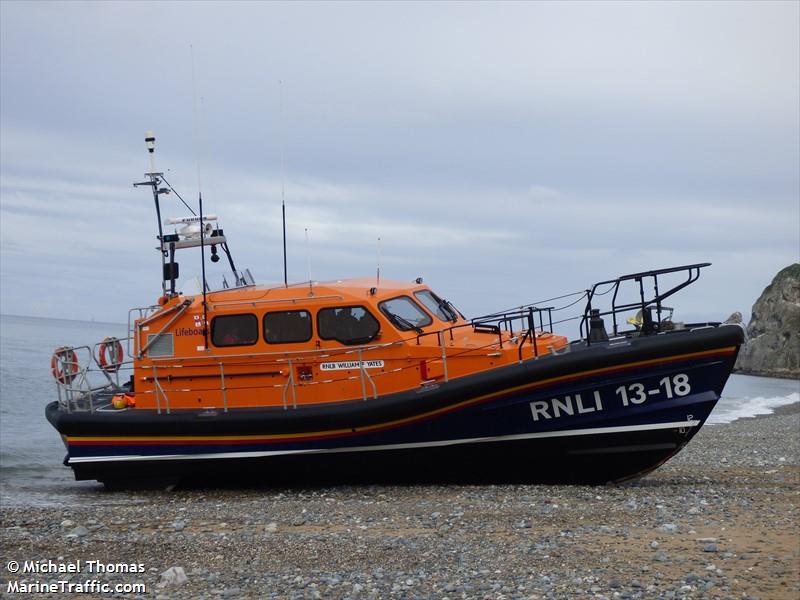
[351, 364]
[633, 393]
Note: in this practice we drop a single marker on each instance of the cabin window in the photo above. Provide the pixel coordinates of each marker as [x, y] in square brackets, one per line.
[347, 324]
[234, 330]
[287, 326]
[441, 308]
[404, 313]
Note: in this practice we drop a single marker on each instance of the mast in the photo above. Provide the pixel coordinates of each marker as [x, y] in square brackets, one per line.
[154, 181]
[197, 231]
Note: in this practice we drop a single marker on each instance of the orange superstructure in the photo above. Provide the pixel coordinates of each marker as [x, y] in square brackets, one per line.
[313, 343]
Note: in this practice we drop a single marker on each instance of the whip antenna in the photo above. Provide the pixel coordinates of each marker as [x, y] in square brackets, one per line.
[200, 203]
[378, 276]
[283, 184]
[308, 262]
[285, 275]
[196, 124]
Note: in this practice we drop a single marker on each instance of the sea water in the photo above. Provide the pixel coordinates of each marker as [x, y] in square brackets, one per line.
[31, 451]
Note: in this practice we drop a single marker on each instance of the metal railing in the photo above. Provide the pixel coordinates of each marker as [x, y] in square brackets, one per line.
[80, 377]
[646, 303]
[521, 326]
[141, 314]
[501, 325]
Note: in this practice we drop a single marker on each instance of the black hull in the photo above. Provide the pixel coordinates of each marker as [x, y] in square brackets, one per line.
[574, 460]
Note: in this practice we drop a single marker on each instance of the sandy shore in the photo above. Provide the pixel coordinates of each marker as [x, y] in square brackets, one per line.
[718, 521]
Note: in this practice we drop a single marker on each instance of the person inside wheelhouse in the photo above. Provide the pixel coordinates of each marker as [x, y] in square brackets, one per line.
[349, 325]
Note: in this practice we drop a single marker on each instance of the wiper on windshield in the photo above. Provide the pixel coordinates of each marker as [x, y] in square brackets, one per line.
[401, 322]
[449, 310]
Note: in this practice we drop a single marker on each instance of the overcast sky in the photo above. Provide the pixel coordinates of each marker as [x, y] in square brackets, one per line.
[507, 153]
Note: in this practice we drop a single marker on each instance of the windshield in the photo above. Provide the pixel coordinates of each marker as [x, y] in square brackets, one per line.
[405, 314]
[441, 308]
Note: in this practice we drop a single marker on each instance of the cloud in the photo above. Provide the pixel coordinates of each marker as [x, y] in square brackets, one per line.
[506, 152]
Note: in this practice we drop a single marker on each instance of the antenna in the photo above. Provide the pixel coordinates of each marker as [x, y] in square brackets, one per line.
[378, 276]
[283, 184]
[308, 261]
[285, 275]
[196, 124]
[150, 142]
[200, 202]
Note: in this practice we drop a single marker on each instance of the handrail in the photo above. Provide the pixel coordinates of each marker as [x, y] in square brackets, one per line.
[693, 274]
[289, 382]
[364, 377]
[444, 356]
[275, 300]
[321, 351]
[143, 310]
[159, 392]
[224, 391]
[153, 317]
[78, 388]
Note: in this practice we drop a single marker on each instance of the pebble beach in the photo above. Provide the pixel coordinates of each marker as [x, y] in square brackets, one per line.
[720, 520]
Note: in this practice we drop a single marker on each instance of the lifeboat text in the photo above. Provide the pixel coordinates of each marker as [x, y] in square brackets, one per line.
[188, 331]
[570, 405]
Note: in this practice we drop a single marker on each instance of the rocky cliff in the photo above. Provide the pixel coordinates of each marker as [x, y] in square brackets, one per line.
[774, 329]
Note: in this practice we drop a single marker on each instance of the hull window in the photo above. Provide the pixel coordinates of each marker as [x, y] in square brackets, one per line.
[287, 326]
[347, 324]
[234, 330]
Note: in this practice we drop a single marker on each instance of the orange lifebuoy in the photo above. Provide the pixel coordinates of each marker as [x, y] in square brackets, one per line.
[64, 364]
[110, 354]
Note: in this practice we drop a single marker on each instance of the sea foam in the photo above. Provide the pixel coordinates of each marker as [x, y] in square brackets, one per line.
[728, 410]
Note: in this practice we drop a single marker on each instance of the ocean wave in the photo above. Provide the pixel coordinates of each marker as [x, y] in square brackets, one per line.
[728, 411]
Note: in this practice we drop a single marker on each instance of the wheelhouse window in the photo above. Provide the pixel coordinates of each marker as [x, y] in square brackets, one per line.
[347, 324]
[441, 308]
[287, 326]
[234, 330]
[404, 313]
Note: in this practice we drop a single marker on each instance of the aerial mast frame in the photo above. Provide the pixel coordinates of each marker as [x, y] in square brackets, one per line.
[154, 181]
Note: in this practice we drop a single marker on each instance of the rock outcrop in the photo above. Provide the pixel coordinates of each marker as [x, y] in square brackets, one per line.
[773, 348]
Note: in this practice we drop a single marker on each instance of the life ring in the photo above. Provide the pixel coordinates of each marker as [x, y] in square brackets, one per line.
[64, 365]
[110, 355]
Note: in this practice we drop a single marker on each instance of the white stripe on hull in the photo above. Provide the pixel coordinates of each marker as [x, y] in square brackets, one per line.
[499, 438]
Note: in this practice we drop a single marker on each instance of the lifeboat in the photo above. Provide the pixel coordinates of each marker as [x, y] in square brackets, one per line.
[385, 381]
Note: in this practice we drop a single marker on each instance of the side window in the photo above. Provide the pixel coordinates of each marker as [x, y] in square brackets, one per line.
[287, 326]
[347, 324]
[234, 330]
[404, 313]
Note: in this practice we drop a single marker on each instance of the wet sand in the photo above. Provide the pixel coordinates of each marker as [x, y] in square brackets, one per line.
[720, 520]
